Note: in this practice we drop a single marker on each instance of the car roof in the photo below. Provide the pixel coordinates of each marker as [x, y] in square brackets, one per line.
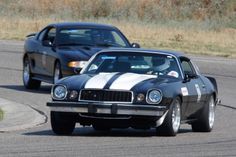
[82, 24]
[140, 50]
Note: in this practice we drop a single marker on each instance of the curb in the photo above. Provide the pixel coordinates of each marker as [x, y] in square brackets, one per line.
[19, 117]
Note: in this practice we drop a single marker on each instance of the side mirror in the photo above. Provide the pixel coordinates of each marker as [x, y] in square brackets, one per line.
[192, 76]
[47, 43]
[135, 45]
[77, 70]
[188, 77]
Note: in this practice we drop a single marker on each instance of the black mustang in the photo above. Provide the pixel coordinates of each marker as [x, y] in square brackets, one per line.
[62, 49]
[136, 88]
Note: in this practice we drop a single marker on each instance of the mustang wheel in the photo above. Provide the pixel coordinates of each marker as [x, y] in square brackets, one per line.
[206, 121]
[57, 73]
[171, 124]
[28, 81]
[63, 123]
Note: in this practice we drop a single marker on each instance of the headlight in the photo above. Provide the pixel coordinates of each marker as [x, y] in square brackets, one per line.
[77, 64]
[154, 96]
[59, 92]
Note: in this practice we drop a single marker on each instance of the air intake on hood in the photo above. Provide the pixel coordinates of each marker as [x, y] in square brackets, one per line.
[100, 95]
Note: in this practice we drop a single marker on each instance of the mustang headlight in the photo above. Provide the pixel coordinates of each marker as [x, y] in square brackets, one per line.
[59, 92]
[154, 96]
[77, 64]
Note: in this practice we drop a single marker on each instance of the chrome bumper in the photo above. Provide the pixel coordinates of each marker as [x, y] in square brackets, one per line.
[107, 108]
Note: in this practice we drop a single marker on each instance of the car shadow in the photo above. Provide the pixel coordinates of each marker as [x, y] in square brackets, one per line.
[90, 132]
[44, 89]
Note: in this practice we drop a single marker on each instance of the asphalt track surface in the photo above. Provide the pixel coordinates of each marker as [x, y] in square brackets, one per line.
[40, 140]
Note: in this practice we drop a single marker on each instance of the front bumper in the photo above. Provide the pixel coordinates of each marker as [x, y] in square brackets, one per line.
[108, 108]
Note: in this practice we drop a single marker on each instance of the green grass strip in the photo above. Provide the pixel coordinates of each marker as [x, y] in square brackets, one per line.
[1, 114]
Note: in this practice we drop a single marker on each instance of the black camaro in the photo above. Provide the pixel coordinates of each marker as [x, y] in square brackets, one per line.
[121, 88]
[62, 49]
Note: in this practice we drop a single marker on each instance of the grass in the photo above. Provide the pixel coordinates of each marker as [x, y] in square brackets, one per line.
[220, 42]
[205, 27]
[1, 114]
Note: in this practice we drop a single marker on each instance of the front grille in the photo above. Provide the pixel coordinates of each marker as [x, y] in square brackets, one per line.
[105, 95]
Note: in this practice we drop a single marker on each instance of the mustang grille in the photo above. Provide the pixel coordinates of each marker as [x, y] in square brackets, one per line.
[105, 95]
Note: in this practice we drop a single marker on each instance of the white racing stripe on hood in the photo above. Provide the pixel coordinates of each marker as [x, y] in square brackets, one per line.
[99, 81]
[129, 80]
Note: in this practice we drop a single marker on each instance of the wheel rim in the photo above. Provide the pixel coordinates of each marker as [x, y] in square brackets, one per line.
[56, 75]
[26, 73]
[176, 116]
[211, 117]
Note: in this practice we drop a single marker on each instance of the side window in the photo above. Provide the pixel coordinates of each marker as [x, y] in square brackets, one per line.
[47, 34]
[50, 35]
[118, 39]
[42, 34]
[187, 67]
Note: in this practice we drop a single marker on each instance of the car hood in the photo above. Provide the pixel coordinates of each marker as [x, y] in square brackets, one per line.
[116, 81]
[78, 52]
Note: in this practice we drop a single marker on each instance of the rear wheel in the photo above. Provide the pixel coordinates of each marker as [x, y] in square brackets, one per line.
[57, 73]
[63, 123]
[28, 81]
[206, 120]
[171, 124]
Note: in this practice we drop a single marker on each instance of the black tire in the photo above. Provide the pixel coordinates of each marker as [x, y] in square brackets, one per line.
[170, 127]
[63, 123]
[101, 128]
[57, 72]
[204, 122]
[28, 81]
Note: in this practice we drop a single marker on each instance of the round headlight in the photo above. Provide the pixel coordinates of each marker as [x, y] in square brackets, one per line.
[59, 92]
[154, 97]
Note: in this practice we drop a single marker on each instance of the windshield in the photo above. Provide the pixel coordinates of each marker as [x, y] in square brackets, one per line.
[91, 37]
[141, 63]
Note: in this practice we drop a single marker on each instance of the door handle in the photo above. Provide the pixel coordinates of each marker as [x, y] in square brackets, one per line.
[203, 86]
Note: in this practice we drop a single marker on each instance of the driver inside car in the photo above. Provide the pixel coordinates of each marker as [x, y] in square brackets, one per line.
[161, 66]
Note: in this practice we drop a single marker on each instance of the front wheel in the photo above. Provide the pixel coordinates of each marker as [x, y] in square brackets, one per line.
[206, 120]
[171, 124]
[28, 81]
[63, 123]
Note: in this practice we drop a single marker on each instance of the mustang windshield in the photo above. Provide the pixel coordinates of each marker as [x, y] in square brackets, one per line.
[141, 63]
[91, 37]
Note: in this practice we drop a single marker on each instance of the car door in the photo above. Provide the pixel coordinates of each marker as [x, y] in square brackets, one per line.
[202, 85]
[36, 57]
[47, 52]
[195, 87]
